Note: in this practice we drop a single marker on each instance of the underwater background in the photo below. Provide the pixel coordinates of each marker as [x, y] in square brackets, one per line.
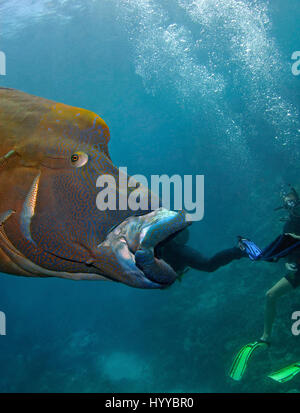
[186, 87]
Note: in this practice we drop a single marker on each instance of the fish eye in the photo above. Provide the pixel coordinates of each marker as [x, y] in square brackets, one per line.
[79, 159]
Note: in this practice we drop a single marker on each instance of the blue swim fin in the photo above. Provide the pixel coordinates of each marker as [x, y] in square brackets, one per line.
[253, 251]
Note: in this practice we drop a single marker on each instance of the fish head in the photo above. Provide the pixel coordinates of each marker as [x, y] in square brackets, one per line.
[59, 224]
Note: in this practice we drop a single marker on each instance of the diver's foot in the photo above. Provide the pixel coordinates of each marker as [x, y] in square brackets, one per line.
[264, 340]
[241, 244]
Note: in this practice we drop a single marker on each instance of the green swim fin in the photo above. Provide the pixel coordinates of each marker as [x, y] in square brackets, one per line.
[286, 373]
[240, 361]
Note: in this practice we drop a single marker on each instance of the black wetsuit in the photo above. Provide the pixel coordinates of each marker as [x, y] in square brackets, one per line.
[286, 247]
[181, 257]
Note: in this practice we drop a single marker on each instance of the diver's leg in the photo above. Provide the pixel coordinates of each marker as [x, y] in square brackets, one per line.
[278, 290]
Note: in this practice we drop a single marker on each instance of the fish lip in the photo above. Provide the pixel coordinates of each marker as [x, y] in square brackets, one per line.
[152, 277]
[133, 244]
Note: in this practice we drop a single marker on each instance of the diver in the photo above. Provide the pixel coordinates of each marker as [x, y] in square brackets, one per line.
[287, 246]
[181, 257]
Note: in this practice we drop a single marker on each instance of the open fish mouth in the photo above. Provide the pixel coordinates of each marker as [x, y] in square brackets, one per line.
[131, 248]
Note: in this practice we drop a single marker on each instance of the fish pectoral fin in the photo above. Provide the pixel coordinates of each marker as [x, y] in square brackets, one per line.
[28, 210]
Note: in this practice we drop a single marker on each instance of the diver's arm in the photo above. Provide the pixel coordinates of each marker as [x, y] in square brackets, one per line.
[218, 260]
[182, 256]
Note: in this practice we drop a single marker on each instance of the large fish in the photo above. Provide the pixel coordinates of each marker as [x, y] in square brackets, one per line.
[51, 156]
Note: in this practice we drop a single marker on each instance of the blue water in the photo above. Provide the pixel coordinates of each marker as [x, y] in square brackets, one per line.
[186, 87]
